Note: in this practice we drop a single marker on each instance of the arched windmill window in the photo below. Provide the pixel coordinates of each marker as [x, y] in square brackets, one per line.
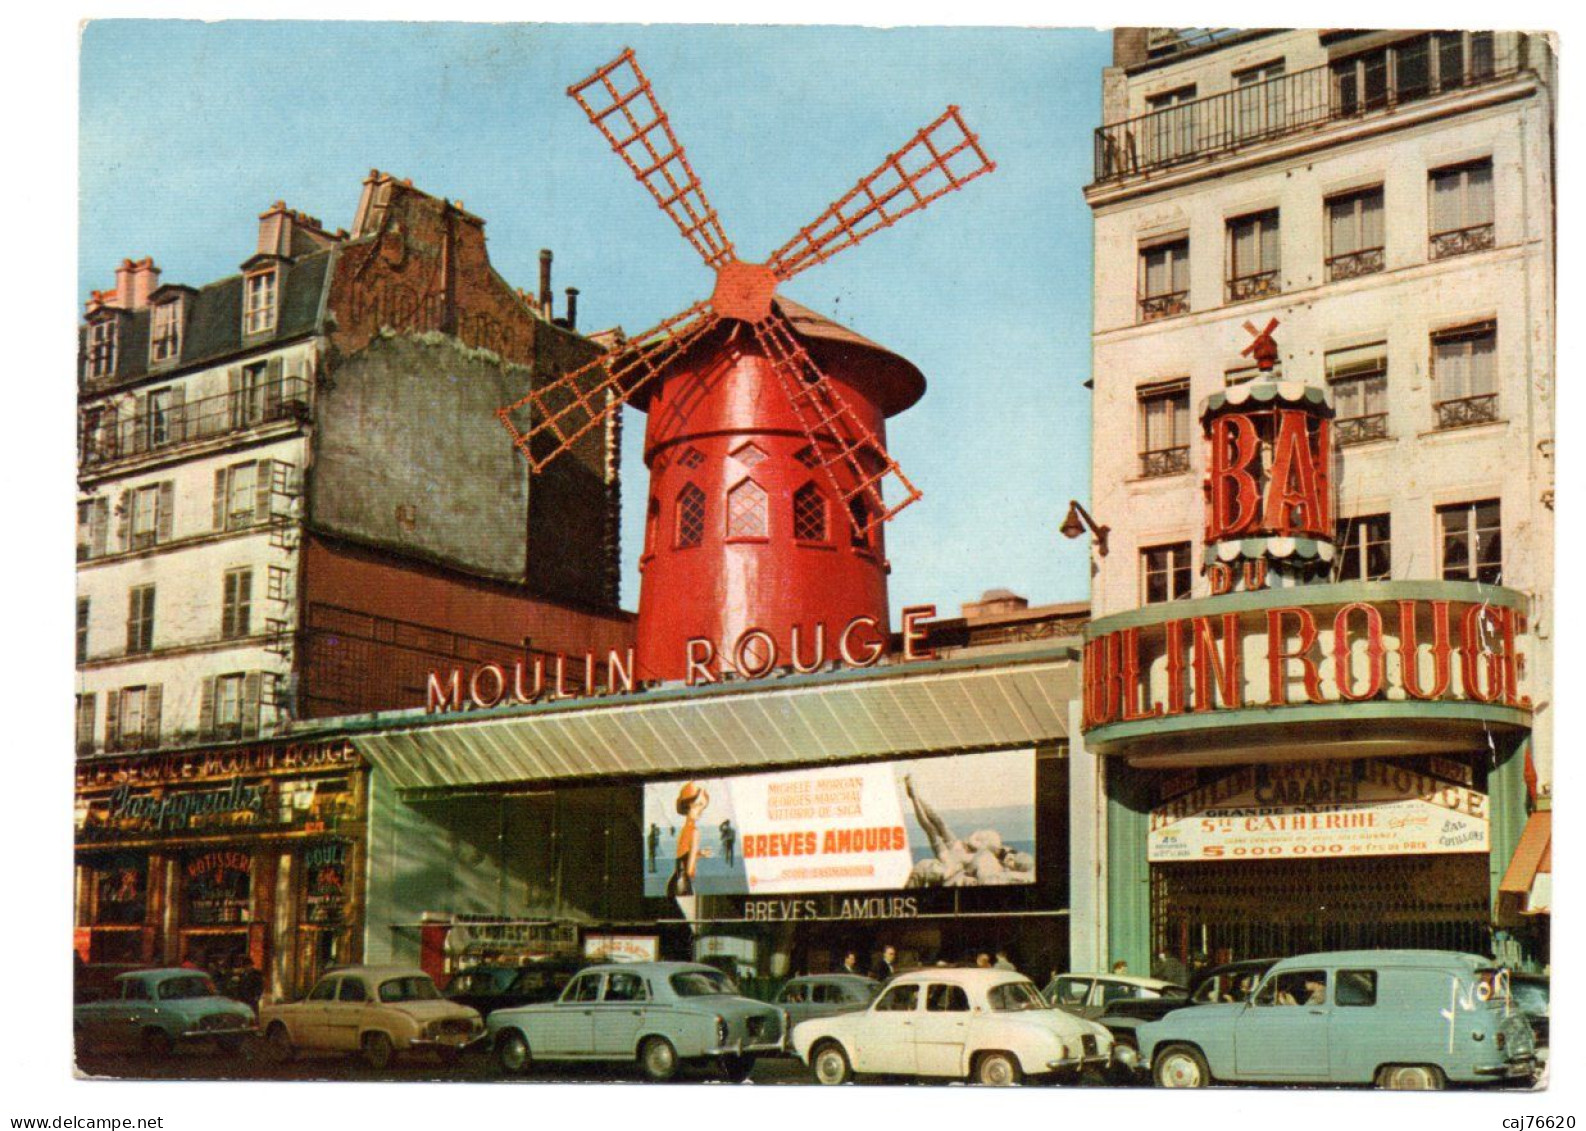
[746, 511]
[809, 514]
[690, 517]
[652, 523]
[859, 519]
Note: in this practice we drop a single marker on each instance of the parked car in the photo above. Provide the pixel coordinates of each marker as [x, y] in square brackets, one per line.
[1529, 992]
[1393, 1018]
[379, 1011]
[1092, 995]
[1234, 981]
[488, 988]
[156, 1010]
[663, 1015]
[821, 995]
[989, 1026]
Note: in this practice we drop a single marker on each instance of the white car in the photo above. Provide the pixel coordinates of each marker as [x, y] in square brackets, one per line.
[988, 1026]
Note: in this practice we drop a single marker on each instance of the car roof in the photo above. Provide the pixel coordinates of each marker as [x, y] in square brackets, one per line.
[1127, 979]
[662, 969]
[374, 972]
[161, 972]
[831, 978]
[1387, 958]
[960, 975]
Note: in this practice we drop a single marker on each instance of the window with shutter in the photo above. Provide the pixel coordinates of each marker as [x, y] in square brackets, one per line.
[102, 348]
[82, 630]
[206, 708]
[151, 716]
[252, 686]
[113, 720]
[145, 516]
[85, 529]
[85, 723]
[264, 484]
[140, 620]
[236, 603]
[134, 703]
[165, 518]
[228, 705]
[165, 332]
[259, 302]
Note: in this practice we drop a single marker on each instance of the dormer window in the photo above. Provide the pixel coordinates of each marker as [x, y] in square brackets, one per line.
[165, 332]
[102, 348]
[259, 296]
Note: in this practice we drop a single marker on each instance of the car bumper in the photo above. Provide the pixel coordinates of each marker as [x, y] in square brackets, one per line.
[741, 1048]
[446, 1044]
[1509, 1070]
[244, 1029]
[1078, 1063]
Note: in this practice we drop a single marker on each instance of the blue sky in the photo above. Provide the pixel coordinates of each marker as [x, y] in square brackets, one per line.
[189, 130]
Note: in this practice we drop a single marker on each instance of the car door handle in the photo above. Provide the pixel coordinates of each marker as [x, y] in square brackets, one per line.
[638, 1013]
[1319, 1012]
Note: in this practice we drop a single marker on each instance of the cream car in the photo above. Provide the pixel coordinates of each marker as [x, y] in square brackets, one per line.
[379, 1011]
[988, 1026]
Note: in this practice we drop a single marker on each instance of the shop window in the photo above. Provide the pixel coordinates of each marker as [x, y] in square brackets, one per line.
[1355, 239]
[236, 603]
[259, 302]
[941, 998]
[1462, 216]
[1365, 549]
[1164, 429]
[1165, 572]
[82, 630]
[140, 620]
[1472, 542]
[1355, 987]
[1164, 280]
[1464, 374]
[120, 891]
[809, 514]
[1254, 256]
[690, 519]
[1359, 380]
[324, 868]
[217, 887]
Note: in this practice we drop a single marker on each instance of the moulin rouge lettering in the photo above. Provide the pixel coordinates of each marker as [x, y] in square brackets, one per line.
[1441, 650]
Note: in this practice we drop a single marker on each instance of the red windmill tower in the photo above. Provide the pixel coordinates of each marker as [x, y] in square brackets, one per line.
[766, 422]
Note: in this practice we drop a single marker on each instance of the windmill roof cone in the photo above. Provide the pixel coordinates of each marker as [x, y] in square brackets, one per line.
[770, 477]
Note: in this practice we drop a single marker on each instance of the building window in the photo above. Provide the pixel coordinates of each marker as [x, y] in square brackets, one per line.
[1253, 256]
[237, 496]
[1364, 549]
[1259, 100]
[145, 516]
[93, 522]
[690, 520]
[1354, 234]
[1464, 374]
[140, 620]
[228, 705]
[1359, 379]
[1171, 131]
[1164, 280]
[1461, 209]
[132, 718]
[1165, 573]
[1472, 542]
[256, 393]
[259, 313]
[236, 603]
[82, 630]
[165, 332]
[1371, 80]
[746, 511]
[158, 419]
[1463, 57]
[1164, 429]
[809, 514]
[85, 723]
[102, 348]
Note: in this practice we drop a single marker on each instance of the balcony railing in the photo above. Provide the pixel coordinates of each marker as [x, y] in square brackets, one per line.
[165, 428]
[1166, 305]
[1460, 241]
[1353, 264]
[1360, 429]
[1166, 461]
[1247, 287]
[1465, 411]
[1264, 111]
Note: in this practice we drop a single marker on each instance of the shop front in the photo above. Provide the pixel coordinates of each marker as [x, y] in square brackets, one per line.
[221, 859]
[767, 826]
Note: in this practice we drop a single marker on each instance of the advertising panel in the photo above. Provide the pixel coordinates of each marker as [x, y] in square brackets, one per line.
[1301, 810]
[959, 821]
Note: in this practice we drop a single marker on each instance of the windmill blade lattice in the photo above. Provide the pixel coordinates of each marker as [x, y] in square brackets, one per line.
[619, 101]
[837, 437]
[940, 159]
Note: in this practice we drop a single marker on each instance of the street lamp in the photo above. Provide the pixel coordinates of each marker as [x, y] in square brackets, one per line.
[1078, 521]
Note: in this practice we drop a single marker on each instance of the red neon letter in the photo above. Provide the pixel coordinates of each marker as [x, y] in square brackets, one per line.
[1410, 651]
[1278, 657]
[1207, 664]
[1343, 668]
[1232, 498]
[912, 636]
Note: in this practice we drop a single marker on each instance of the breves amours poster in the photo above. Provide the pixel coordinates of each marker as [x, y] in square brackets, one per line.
[957, 821]
[1367, 807]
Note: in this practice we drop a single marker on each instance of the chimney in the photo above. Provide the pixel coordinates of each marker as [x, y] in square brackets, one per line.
[135, 282]
[545, 281]
[1130, 45]
[571, 321]
[290, 234]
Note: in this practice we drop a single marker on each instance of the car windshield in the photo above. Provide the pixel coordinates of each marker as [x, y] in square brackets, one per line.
[1014, 997]
[1228, 985]
[702, 983]
[416, 987]
[1529, 996]
[188, 986]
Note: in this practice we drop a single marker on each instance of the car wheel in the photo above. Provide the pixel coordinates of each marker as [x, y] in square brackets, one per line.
[157, 1042]
[1181, 1066]
[231, 1046]
[736, 1069]
[1411, 1078]
[378, 1052]
[830, 1064]
[512, 1053]
[278, 1043]
[998, 1070]
[658, 1059]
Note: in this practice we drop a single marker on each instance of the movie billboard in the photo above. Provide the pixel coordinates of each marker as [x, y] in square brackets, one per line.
[960, 821]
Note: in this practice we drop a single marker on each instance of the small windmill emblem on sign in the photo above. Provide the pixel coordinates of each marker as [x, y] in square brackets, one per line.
[618, 99]
[1264, 349]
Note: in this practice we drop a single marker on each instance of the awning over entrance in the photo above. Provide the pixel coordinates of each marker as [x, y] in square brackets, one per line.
[941, 706]
[1529, 879]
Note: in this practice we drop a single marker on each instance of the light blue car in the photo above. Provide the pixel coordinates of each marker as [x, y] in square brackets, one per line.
[1392, 1018]
[156, 1010]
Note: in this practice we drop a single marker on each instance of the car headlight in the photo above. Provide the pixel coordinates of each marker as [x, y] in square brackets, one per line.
[1062, 1050]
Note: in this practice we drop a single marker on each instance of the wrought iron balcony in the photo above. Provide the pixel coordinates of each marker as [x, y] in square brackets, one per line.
[1167, 461]
[1361, 429]
[171, 427]
[1166, 305]
[1460, 241]
[1259, 112]
[1353, 264]
[1253, 286]
[1465, 411]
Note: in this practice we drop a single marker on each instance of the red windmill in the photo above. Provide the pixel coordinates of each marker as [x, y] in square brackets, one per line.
[753, 443]
[1265, 347]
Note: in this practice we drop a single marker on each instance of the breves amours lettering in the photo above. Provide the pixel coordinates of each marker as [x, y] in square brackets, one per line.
[1362, 807]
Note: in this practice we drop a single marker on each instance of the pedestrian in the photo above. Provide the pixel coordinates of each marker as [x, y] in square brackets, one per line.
[1169, 968]
[1003, 962]
[850, 963]
[983, 960]
[1120, 967]
[729, 838]
[882, 968]
[250, 983]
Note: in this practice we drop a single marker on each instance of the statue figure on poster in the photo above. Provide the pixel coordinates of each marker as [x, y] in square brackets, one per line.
[982, 859]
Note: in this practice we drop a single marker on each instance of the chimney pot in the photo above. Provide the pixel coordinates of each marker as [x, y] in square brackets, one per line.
[572, 308]
[545, 281]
